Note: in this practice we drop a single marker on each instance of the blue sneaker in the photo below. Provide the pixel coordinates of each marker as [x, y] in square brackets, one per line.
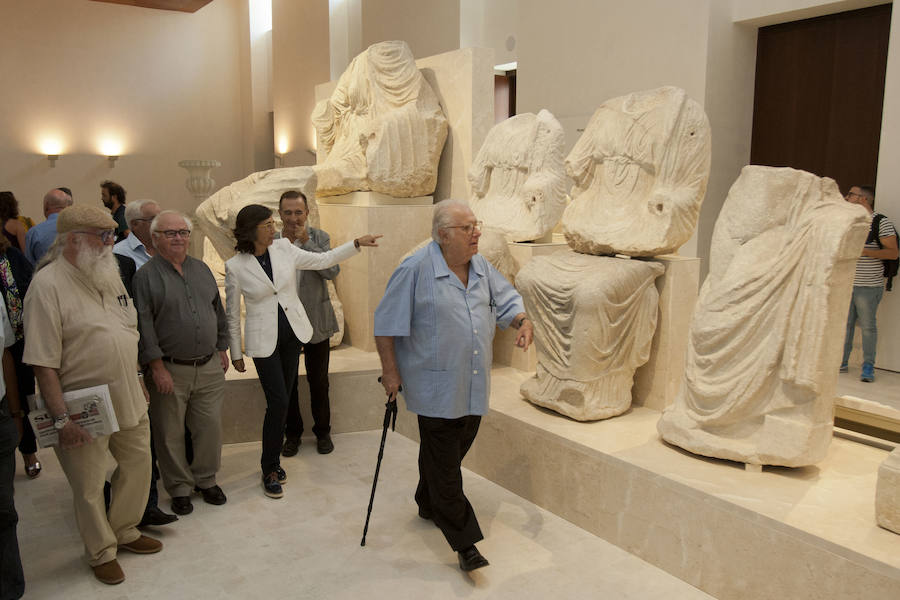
[868, 373]
[271, 487]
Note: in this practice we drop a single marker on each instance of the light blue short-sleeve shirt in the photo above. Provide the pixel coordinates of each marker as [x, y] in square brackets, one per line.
[443, 331]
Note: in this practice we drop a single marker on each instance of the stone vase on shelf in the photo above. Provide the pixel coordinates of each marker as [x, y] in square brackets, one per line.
[200, 184]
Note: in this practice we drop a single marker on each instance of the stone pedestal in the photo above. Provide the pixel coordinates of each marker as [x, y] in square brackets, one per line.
[887, 493]
[404, 222]
[505, 351]
[656, 383]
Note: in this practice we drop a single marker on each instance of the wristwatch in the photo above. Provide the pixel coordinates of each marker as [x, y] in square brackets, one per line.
[60, 421]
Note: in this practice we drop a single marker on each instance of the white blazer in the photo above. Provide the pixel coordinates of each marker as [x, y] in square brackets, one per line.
[244, 276]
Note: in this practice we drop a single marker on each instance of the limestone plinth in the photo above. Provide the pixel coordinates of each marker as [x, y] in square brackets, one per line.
[362, 279]
[768, 329]
[594, 318]
[656, 383]
[887, 493]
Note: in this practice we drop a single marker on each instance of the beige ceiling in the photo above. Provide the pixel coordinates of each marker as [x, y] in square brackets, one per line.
[180, 5]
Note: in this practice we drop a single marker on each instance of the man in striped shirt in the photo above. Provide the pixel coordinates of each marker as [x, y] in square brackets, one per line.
[868, 283]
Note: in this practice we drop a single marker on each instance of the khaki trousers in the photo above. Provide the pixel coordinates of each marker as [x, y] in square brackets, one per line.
[85, 468]
[197, 403]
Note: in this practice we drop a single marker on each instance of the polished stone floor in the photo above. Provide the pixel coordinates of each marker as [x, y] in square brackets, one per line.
[306, 545]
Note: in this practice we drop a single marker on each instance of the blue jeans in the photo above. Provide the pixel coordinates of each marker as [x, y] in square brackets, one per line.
[863, 306]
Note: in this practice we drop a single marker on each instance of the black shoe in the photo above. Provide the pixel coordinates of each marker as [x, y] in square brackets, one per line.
[471, 559]
[212, 495]
[291, 447]
[424, 513]
[324, 444]
[282, 476]
[154, 517]
[271, 487]
[181, 505]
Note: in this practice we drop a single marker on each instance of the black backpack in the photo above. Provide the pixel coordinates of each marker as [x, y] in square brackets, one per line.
[890, 265]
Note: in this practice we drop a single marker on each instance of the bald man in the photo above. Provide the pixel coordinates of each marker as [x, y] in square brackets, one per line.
[40, 237]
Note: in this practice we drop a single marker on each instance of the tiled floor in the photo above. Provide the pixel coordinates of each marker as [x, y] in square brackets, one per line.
[306, 545]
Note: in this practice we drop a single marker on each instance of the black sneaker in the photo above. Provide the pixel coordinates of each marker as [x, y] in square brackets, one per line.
[271, 487]
[290, 447]
[324, 445]
[282, 476]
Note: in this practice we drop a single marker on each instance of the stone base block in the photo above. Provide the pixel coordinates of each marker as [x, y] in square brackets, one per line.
[887, 493]
[361, 282]
[656, 382]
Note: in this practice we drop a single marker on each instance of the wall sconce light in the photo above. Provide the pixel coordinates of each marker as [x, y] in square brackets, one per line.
[53, 158]
[111, 148]
[52, 148]
[112, 161]
[279, 160]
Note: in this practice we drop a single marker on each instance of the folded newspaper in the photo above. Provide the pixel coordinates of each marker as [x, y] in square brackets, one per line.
[90, 407]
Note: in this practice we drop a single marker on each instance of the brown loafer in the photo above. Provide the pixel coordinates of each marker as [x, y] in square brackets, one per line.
[143, 545]
[109, 573]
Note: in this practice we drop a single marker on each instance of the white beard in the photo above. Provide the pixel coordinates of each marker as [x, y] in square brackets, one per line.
[99, 266]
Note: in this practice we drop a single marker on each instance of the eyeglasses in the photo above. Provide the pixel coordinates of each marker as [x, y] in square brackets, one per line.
[106, 235]
[468, 229]
[142, 219]
[171, 234]
[267, 225]
[852, 194]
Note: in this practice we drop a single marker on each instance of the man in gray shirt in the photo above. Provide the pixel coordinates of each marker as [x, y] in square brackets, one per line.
[184, 336]
[313, 292]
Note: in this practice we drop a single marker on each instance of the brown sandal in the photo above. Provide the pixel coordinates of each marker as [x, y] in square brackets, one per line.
[33, 470]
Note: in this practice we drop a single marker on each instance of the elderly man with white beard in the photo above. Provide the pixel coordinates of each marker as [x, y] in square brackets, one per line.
[81, 331]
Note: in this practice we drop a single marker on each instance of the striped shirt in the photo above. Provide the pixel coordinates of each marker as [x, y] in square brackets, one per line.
[870, 271]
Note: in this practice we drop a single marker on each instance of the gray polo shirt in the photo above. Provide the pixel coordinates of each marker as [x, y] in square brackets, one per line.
[178, 317]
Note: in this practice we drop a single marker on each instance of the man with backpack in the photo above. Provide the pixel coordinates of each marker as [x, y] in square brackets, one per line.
[877, 261]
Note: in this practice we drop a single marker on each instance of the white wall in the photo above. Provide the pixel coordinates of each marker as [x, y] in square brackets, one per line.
[166, 84]
[300, 60]
[490, 24]
[428, 26]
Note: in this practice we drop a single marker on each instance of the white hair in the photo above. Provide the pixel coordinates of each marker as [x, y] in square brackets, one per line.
[441, 218]
[154, 225]
[135, 210]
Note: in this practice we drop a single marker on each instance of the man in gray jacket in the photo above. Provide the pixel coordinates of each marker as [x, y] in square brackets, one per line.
[313, 293]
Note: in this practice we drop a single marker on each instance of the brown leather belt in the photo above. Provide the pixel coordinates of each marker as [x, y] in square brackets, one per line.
[190, 362]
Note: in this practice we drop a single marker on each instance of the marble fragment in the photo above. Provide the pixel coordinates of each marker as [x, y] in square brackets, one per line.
[768, 328]
[519, 182]
[216, 215]
[594, 318]
[382, 129]
[640, 171]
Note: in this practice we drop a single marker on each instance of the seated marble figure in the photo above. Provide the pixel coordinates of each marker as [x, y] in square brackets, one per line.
[640, 172]
[382, 129]
[519, 182]
[767, 332]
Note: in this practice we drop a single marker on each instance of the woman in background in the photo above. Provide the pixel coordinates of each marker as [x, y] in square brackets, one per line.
[13, 229]
[15, 277]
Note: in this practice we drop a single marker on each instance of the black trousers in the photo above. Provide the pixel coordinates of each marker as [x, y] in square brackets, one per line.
[315, 357]
[12, 579]
[25, 378]
[277, 375]
[444, 444]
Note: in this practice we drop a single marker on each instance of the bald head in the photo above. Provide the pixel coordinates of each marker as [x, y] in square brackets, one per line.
[56, 200]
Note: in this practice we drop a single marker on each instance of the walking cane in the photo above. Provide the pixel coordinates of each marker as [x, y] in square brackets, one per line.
[390, 418]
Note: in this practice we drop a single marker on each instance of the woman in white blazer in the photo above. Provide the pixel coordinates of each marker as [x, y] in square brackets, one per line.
[264, 273]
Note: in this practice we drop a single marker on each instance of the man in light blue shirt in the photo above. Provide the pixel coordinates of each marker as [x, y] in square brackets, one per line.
[40, 237]
[139, 245]
[434, 330]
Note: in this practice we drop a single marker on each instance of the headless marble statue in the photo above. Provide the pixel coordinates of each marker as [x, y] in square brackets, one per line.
[768, 328]
[382, 129]
[519, 181]
[640, 172]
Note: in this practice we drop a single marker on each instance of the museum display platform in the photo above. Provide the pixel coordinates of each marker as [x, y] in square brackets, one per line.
[781, 533]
